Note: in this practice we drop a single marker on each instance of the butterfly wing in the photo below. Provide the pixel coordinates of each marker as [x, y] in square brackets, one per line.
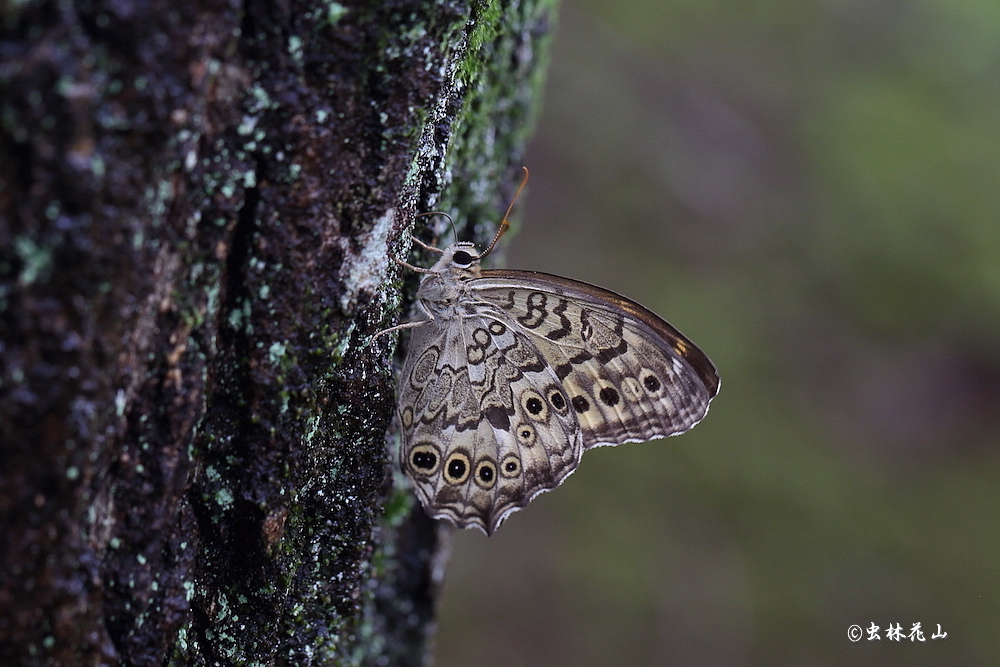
[486, 422]
[629, 375]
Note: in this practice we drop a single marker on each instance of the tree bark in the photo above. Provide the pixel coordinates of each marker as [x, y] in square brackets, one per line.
[199, 203]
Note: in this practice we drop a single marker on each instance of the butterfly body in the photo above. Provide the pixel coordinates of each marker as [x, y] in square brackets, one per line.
[514, 374]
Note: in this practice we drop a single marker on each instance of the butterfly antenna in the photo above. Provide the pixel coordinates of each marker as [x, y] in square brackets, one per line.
[504, 224]
[452, 222]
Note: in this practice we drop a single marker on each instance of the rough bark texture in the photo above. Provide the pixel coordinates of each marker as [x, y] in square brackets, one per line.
[198, 205]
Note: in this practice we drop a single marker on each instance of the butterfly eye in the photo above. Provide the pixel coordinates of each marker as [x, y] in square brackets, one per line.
[651, 382]
[424, 459]
[533, 403]
[609, 396]
[462, 258]
[510, 466]
[456, 470]
[526, 435]
[486, 474]
[556, 399]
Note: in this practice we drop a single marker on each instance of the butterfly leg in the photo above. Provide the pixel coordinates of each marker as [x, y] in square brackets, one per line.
[418, 269]
[404, 325]
[425, 246]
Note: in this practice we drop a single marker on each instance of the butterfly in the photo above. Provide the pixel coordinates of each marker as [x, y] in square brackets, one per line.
[512, 375]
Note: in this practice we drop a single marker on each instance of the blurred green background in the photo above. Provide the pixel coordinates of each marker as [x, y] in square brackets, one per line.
[810, 191]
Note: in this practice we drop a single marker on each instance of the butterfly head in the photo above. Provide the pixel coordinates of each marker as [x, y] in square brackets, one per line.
[459, 260]
[462, 255]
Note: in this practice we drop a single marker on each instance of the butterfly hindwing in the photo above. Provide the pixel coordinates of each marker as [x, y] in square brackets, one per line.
[486, 426]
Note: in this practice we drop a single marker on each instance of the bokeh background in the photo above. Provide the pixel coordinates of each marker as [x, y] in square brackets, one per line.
[811, 191]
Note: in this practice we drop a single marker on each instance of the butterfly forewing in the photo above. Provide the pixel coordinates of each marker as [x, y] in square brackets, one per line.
[629, 375]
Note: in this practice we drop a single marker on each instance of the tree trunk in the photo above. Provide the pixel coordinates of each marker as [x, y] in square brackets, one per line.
[199, 203]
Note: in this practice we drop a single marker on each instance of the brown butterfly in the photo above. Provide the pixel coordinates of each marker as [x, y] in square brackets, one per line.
[513, 374]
